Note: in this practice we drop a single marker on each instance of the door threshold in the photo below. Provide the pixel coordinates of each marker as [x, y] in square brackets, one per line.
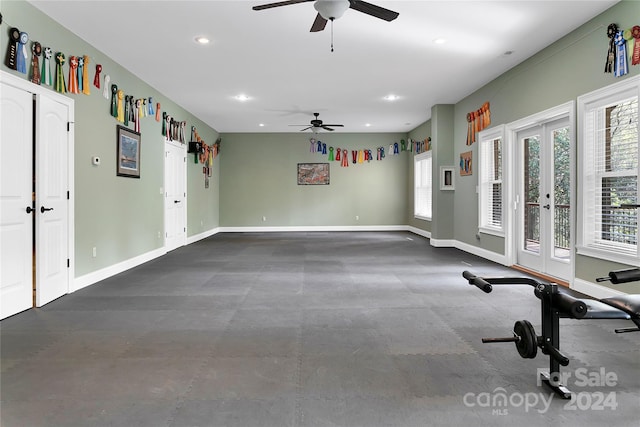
[542, 276]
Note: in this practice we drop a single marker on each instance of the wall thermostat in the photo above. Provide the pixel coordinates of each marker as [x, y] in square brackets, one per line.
[95, 161]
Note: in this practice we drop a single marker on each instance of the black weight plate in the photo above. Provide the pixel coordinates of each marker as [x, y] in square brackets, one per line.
[527, 345]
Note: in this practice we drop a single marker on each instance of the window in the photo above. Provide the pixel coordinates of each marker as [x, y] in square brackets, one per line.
[491, 188]
[423, 168]
[610, 172]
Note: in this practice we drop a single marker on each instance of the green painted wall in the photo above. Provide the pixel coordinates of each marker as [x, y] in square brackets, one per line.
[560, 73]
[258, 175]
[442, 223]
[119, 216]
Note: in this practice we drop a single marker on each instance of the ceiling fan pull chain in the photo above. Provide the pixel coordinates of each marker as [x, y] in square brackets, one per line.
[331, 34]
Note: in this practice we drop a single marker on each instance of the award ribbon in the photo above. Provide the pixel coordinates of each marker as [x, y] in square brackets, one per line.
[158, 112]
[96, 77]
[324, 148]
[73, 74]
[12, 50]
[36, 49]
[621, 67]
[354, 156]
[312, 148]
[360, 156]
[612, 29]
[120, 95]
[151, 113]
[61, 85]
[21, 63]
[369, 156]
[114, 100]
[80, 71]
[319, 147]
[127, 109]
[164, 126]
[140, 108]
[86, 88]
[403, 144]
[45, 75]
[395, 149]
[105, 93]
[331, 159]
[382, 155]
[338, 151]
[635, 33]
[345, 161]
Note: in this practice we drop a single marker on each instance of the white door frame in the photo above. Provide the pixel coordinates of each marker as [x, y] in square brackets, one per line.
[566, 110]
[21, 83]
[183, 238]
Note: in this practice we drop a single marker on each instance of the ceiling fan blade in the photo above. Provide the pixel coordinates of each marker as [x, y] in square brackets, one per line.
[373, 10]
[278, 4]
[335, 126]
[307, 128]
[325, 127]
[318, 24]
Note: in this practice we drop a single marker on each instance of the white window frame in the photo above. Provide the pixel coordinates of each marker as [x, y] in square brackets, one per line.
[425, 159]
[486, 180]
[586, 243]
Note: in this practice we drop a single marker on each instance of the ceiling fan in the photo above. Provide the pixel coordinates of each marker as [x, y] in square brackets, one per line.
[328, 10]
[317, 124]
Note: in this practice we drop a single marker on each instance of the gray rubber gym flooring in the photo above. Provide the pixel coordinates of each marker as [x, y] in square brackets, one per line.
[305, 329]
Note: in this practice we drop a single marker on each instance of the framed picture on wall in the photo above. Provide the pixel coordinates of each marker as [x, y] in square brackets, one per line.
[447, 174]
[313, 173]
[128, 149]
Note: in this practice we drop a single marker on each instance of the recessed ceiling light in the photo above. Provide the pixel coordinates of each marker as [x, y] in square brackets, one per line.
[391, 97]
[367, 124]
[242, 97]
[261, 125]
[202, 40]
[439, 40]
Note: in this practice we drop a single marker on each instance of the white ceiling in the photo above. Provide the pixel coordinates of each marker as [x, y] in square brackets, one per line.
[289, 73]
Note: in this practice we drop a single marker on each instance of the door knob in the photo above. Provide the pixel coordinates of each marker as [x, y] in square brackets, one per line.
[547, 206]
[43, 209]
[30, 209]
[176, 201]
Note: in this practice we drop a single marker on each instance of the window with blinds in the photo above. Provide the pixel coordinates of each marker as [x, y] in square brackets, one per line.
[610, 173]
[490, 189]
[423, 188]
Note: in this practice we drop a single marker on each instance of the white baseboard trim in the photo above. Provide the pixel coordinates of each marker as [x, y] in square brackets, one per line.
[443, 243]
[112, 270]
[419, 232]
[312, 228]
[197, 237]
[483, 253]
[593, 290]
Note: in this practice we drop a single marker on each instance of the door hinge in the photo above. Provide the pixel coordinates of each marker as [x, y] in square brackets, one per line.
[69, 126]
[68, 197]
[68, 263]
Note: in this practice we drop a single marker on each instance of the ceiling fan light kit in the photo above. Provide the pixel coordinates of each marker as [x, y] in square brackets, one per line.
[331, 9]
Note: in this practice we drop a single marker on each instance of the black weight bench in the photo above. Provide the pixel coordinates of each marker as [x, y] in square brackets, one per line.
[556, 304]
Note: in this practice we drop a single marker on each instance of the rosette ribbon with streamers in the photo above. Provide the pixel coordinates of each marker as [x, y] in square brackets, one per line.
[96, 77]
[86, 88]
[114, 100]
[73, 74]
[345, 160]
[621, 67]
[120, 96]
[612, 30]
[395, 149]
[23, 55]
[158, 114]
[12, 50]
[61, 85]
[312, 147]
[338, 154]
[45, 74]
[79, 74]
[319, 147]
[635, 33]
[331, 158]
[36, 50]
[105, 92]
[151, 112]
[324, 148]
[354, 156]
[127, 109]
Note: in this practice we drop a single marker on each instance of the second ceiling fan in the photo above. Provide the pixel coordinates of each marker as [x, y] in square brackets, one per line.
[328, 10]
[317, 124]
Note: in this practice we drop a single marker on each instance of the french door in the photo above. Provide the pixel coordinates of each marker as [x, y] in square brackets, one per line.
[175, 196]
[544, 211]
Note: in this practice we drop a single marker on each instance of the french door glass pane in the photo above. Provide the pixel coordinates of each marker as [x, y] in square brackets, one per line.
[561, 195]
[532, 194]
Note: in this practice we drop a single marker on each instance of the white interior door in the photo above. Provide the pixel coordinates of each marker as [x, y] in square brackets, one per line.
[175, 194]
[52, 187]
[16, 189]
[544, 211]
